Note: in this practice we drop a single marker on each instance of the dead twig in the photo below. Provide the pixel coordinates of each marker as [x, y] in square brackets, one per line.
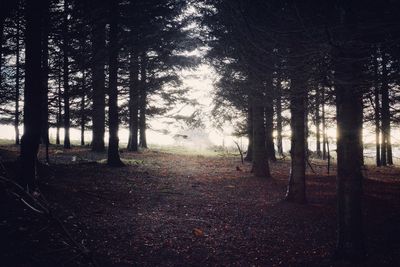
[33, 202]
[240, 151]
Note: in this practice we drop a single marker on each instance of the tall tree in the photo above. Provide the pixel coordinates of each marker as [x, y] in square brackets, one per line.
[386, 155]
[17, 75]
[260, 167]
[66, 96]
[32, 93]
[296, 191]
[133, 100]
[113, 158]
[143, 100]
[45, 78]
[349, 112]
[98, 74]
[279, 118]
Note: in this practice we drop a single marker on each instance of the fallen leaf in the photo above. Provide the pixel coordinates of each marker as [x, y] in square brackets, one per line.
[198, 232]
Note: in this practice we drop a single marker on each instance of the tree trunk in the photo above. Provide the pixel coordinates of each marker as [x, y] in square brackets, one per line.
[133, 101]
[67, 142]
[2, 19]
[386, 143]
[269, 127]
[324, 137]
[32, 93]
[249, 154]
[306, 129]
[260, 166]
[113, 141]
[143, 102]
[59, 108]
[17, 77]
[279, 119]
[98, 76]
[349, 113]
[377, 114]
[45, 79]
[318, 121]
[83, 103]
[349, 175]
[296, 189]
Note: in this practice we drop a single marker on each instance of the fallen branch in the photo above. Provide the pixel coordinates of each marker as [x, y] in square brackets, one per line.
[240, 151]
[35, 205]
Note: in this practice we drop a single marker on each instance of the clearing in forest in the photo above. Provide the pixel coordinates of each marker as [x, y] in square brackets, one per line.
[191, 210]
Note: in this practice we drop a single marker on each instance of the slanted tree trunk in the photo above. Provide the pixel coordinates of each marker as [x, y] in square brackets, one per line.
[249, 154]
[143, 102]
[67, 122]
[32, 93]
[17, 76]
[279, 120]
[318, 121]
[269, 127]
[349, 113]
[133, 101]
[260, 166]
[113, 158]
[296, 191]
[98, 75]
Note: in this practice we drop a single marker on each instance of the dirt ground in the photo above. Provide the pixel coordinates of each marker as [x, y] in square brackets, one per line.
[166, 209]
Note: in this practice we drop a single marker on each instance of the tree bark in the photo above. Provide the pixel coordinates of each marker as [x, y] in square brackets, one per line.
[32, 93]
[59, 107]
[113, 158]
[83, 103]
[67, 122]
[386, 154]
[349, 175]
[269, 127]
[2, 19]
[133, 100]
[260, 166]
[143, 102]
[17, 77]
[296, 191]
[349, 113]
[279, 120]
[377, 114]
[323, 118]
[45, 79]
[98, 75]
[249, 154]
[318, 121]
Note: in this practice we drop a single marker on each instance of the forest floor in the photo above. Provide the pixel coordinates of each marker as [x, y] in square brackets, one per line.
[174, 209]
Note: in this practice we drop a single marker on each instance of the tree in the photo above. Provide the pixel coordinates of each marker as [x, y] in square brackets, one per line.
[113, 158]
[66, 97]
[349, 109]
[32, 93]
[296, 188]
[98, 74]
